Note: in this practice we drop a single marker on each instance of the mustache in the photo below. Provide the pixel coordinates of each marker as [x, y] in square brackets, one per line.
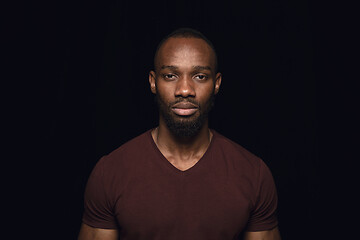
[184, 100]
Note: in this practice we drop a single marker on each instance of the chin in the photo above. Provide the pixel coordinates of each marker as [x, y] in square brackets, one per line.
[185, 126]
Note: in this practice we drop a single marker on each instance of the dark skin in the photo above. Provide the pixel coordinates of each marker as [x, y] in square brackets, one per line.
[184, 67]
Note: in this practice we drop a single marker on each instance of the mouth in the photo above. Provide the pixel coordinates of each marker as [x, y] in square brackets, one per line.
[184, 108]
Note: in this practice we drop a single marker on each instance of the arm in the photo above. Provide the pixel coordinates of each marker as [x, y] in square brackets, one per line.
[90, 233]
[98, 222]
[273, 234]
[263, 216]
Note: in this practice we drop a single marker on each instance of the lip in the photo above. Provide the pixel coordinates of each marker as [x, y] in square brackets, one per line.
[184, 108]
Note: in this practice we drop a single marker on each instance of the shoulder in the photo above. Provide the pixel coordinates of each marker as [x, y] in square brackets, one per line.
[127, 154]
[133, 146]
[235, 152]
[113, 170]
[249, 172]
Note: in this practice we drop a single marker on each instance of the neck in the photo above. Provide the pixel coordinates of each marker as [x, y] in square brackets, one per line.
[182, 148]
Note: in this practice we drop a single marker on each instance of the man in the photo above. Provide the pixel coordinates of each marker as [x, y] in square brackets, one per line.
[181, 180]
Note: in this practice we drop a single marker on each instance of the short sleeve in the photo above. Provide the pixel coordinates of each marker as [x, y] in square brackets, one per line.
[263, 215]
[98, 211]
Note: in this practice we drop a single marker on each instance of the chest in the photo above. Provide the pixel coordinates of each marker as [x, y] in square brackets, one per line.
[172, 205]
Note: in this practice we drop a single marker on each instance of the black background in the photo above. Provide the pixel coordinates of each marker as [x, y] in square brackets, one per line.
[84, 92]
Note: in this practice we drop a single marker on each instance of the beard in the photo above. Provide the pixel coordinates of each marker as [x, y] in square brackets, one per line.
[184, 126]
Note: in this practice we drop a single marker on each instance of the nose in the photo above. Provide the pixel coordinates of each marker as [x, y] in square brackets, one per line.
[185, 88]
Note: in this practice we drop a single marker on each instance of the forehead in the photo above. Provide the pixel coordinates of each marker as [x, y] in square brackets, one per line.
[185, 52]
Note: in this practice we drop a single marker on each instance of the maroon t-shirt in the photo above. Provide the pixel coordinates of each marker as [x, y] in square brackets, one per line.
[137, 190]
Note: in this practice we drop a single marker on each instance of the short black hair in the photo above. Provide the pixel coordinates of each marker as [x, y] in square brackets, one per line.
[186, 33]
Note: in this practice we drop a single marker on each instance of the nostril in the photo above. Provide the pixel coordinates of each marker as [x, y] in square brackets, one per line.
[185, 88]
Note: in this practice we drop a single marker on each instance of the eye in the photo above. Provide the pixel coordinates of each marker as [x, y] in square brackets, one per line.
[201, 77]
[169, 76]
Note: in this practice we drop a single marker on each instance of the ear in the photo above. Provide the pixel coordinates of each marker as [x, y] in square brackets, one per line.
[217, 82]
[152, 82]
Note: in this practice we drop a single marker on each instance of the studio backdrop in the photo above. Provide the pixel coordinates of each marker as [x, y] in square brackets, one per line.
[97, 56]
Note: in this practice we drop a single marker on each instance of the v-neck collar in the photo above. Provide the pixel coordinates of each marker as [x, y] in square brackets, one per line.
[175, 170]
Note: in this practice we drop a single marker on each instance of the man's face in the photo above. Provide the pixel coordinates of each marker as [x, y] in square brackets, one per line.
[185, 83]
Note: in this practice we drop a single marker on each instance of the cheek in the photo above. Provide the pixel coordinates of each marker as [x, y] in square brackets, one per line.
[164, 89]
[164, 96]
[205, 93]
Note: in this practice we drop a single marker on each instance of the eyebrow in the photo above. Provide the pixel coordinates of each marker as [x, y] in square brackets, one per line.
[202, 67]
[194, 67]
[169, 66]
